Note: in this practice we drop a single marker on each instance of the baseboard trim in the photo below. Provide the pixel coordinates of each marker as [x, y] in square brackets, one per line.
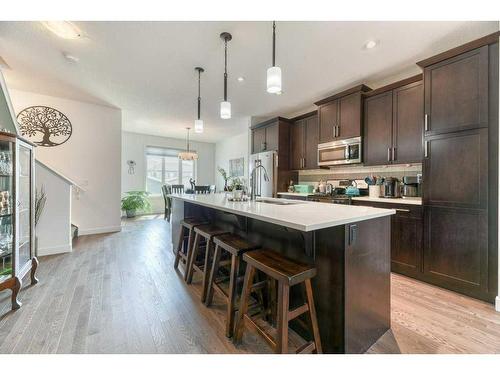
[101, 230]
[61, 249]
[497, 303]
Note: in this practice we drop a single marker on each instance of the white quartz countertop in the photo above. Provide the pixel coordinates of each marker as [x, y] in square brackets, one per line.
[300, 215]
[415, 201]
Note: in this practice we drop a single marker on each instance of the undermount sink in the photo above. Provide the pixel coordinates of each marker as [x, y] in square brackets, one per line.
[278, 202]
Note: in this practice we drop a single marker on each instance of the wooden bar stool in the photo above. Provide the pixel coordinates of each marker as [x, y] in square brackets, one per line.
[208, 232]
[187, 224]
[287, 273]
[235, 246]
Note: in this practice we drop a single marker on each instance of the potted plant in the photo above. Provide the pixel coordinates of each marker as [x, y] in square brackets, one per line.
[135, 200]
[237, 187]
[225, 177]
[40, 200]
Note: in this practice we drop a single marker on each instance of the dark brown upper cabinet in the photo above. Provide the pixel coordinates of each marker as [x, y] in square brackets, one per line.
[304, 139]
[266, 136]
[378, 129]
[328, 120]
[456, 93]
[258, 140]
[340, 116]
[274, 135]
[393, 123]
[407, 112]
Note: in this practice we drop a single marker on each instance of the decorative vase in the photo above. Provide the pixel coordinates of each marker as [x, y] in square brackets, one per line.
[130, 213]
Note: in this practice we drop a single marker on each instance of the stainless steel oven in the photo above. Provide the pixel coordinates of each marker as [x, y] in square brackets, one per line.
[346, 151]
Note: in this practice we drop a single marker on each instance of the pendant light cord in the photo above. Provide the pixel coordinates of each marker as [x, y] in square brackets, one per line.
[225, 69]
[274, 43]
[199, 90]
[187, 140]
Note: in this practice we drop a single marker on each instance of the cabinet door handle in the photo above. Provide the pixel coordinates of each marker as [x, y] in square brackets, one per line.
[334, 130]
[388, 154]
[426, 149]
[393, 153]
[338, 130]
[303, 162]
[402, 210]
[426, 122]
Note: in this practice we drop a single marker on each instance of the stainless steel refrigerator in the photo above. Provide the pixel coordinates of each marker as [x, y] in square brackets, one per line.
[269, 160]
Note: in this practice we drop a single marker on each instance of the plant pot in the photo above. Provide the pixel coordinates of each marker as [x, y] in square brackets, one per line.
[130, 213]
[237, 194]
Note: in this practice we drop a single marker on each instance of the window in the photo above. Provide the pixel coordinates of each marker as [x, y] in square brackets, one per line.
[163, 166]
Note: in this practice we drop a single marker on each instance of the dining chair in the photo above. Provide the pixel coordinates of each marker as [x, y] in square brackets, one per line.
[166, 190]
[177, 189]
[202, 189]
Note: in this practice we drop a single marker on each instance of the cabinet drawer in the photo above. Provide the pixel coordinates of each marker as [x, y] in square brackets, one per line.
[408, 210]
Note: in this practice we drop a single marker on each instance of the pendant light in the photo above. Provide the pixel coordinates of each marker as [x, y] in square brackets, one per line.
[188, 155]
[225, 106]
[274, 72]
[198, 124]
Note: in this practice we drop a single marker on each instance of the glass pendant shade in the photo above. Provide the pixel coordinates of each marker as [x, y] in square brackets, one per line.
[188, 155]
[225, 110]
[198, 126]
[274, 80]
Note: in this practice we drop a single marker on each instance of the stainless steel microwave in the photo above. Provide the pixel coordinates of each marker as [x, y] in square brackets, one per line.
[346, 151]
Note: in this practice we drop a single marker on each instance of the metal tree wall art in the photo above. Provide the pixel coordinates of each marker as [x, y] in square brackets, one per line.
[44, 126]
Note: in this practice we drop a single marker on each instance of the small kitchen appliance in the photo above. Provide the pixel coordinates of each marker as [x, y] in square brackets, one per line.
[346, 151]
[411, 186]
[391, 188]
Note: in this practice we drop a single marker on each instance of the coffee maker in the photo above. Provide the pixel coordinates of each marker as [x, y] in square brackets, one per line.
[412, 186]
[391, 188]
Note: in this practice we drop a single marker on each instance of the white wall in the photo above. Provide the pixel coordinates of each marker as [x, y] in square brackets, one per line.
[134, 148]
[231, 148]
[91, 158]
[54, 228]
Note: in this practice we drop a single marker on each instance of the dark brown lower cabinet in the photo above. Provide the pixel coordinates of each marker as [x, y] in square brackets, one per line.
[406, 237]
[444, 246]
[406, 241]
[456, 249]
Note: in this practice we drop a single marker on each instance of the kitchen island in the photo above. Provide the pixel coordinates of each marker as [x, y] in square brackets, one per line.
[349, 246]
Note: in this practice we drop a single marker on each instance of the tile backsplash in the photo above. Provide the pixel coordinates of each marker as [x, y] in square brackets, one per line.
[358, 172]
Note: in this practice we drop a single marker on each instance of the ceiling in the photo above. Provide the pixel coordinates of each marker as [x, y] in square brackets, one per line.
[147, 68]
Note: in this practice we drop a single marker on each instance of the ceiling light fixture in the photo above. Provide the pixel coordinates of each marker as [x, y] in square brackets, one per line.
[241, 79]
[225, 106]
[198, 124]
[370, 44]
[63, 29]
[188, 155]
[274, 72]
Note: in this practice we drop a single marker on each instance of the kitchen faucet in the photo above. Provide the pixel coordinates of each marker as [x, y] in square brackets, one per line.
[253, 182]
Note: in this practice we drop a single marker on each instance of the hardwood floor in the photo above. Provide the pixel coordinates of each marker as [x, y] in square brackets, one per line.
[118, 293]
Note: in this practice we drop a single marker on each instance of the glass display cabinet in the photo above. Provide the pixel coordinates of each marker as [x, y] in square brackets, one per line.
[17, 214]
